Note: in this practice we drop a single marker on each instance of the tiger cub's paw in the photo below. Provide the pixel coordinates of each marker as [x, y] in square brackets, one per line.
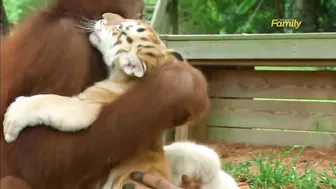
[132, 65]
[17, 117]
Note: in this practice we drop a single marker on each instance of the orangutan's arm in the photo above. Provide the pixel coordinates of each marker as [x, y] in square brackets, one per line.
[176, 95]
[44, 54]
[59, 112]
[63, 113]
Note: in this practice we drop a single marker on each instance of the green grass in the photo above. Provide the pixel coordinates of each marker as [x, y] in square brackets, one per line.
[281, 173]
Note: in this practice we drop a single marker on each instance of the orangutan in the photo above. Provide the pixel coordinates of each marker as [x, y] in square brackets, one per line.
[49, 53]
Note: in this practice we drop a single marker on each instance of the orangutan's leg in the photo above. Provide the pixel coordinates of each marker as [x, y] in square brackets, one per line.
[10, 182]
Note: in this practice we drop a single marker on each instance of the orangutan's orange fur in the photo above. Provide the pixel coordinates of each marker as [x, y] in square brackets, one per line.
[47, 53]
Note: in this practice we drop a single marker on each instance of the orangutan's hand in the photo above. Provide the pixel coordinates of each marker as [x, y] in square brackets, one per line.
[153, 182]
[188, 183]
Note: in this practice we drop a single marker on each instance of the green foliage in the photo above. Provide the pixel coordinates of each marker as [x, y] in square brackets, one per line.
[19, 9]
[149, 9]
[245, 6]
[198, 17]
[280, 172]
[227, 16]
[327, 16]
[244, 16]
[150, 2]
[213, 16]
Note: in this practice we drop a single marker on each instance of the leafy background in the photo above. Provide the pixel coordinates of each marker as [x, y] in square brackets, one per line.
[253, 16]
[19, 9]
[225, 16]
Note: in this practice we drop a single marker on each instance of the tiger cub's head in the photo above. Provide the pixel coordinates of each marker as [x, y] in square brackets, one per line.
[131, 46]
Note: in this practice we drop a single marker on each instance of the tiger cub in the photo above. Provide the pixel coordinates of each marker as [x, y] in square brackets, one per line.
[131, 50]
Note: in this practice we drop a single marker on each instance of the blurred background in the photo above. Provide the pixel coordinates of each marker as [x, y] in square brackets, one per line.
[225, 16]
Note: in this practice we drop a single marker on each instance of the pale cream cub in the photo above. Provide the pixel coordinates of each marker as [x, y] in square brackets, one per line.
[199, 163]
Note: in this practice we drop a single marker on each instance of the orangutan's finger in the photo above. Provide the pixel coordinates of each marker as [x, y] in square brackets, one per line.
[186, 179]
[152, 181]
[188, 183]
[133, 186]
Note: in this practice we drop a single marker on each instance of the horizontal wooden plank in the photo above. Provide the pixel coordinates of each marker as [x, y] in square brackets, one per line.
[246, 62]
[265, 137]
[272, 84]
[313, 116]
[254, 47]
[286, 36]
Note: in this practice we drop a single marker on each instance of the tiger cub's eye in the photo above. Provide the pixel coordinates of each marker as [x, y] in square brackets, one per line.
[119, 27]
[141, 29]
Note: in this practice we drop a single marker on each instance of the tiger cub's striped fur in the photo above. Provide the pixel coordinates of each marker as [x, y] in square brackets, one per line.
[131, 50]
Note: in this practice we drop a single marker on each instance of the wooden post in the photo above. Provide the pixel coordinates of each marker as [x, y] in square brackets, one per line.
[182, 133]
[165, 21]
[174, 16]
[160, 20]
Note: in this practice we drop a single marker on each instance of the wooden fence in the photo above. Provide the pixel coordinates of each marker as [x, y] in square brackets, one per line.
[251, 106]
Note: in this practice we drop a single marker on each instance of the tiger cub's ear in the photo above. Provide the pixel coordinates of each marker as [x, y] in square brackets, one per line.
[112, 18]
[177, 55]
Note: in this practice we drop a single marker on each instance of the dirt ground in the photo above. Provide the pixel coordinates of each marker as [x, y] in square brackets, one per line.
[239, 153]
